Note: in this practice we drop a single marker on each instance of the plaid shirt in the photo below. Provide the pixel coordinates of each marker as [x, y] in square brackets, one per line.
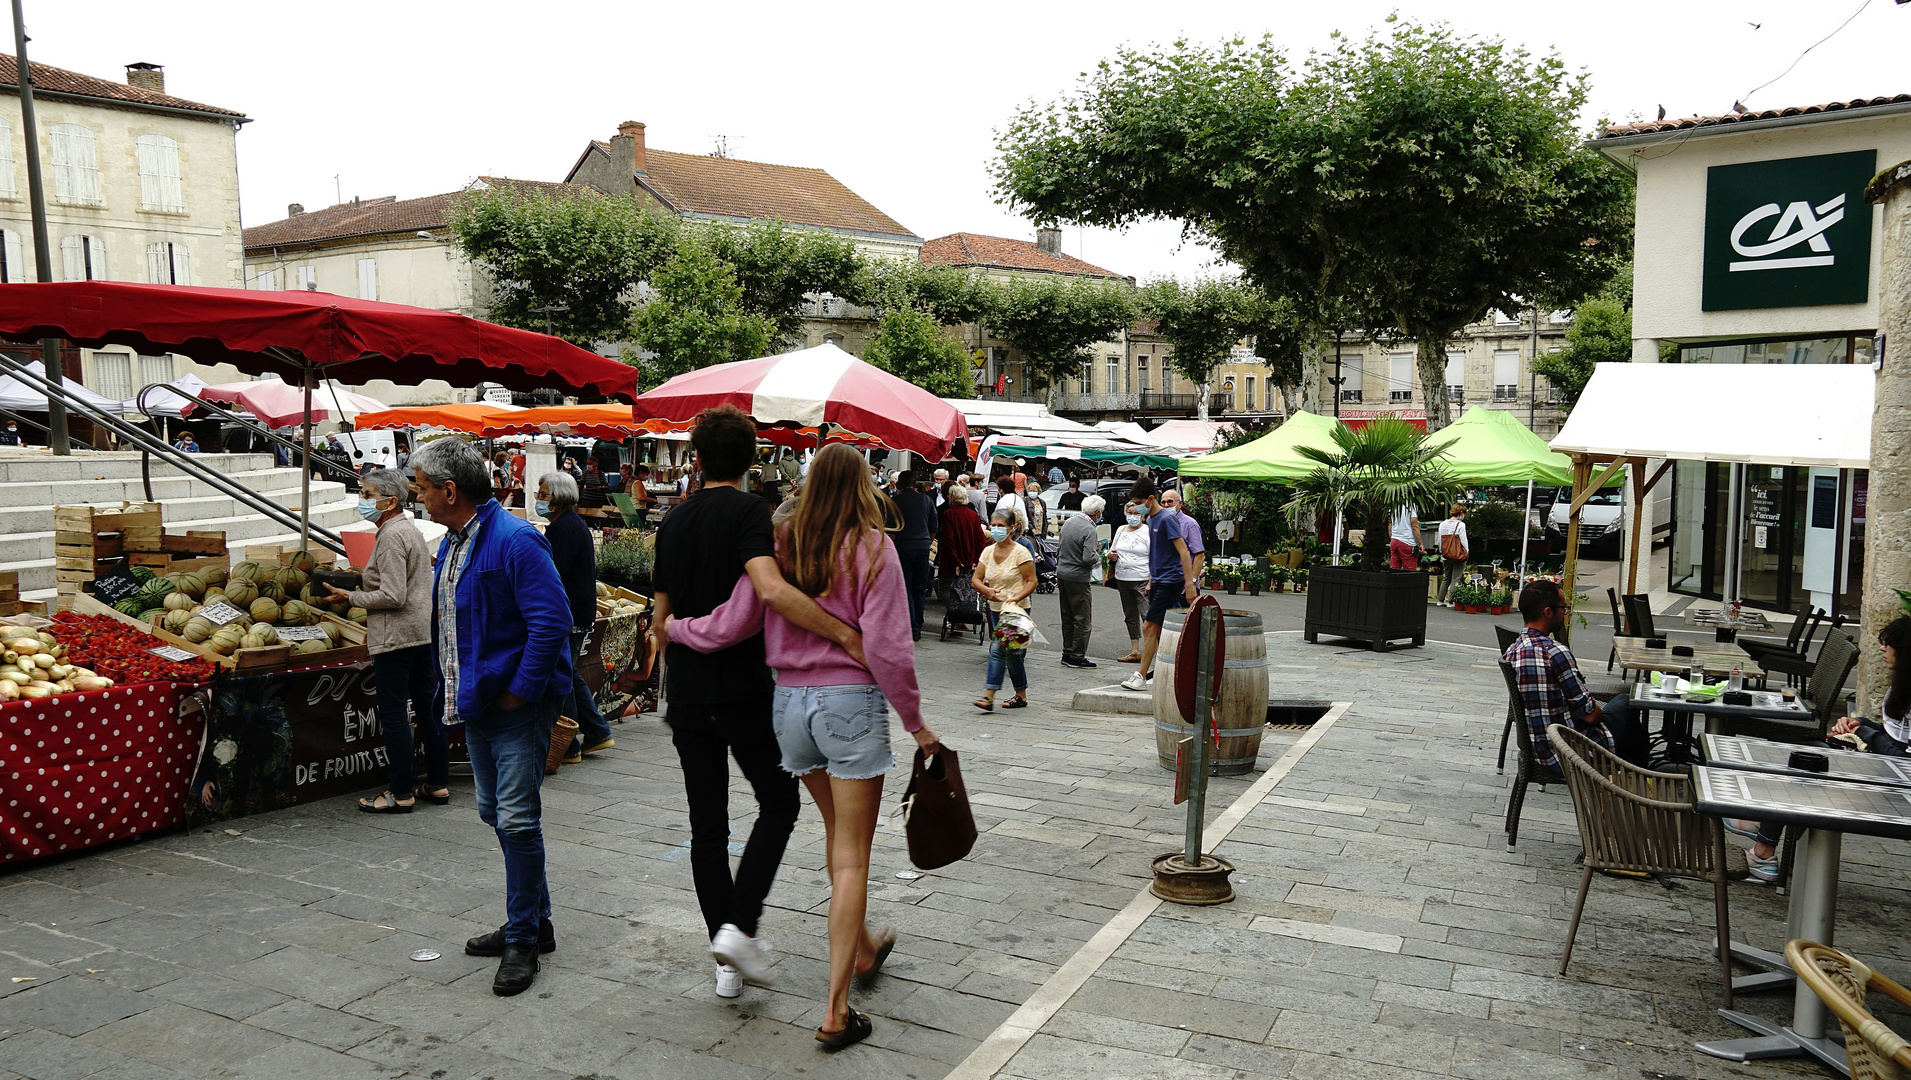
[1551, 692]
[456, 557]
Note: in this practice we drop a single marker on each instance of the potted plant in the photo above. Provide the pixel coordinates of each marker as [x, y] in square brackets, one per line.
[1279, 575]
[1502, 601]
[1366, 475]
[1299, 577]
[1255, 578]
[1229, 575]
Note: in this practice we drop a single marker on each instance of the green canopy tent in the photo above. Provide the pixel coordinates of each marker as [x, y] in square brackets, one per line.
[1491, 446]
[1273, 457]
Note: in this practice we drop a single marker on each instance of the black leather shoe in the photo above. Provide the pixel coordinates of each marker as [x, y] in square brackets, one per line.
[492, 944]
[516, 971]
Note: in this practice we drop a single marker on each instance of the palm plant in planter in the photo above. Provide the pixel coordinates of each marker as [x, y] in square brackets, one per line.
[1366, 476]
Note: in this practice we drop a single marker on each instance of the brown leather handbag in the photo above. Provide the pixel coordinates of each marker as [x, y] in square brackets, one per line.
[936, 818]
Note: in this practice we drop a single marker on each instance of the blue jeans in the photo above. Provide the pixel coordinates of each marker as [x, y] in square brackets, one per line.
[409, 678]
[917, 573]
[508, 748]
[1011, 659]
[581, 705]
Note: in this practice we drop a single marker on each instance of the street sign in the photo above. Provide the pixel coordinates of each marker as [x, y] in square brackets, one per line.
[1187, 658]
[1795, 232]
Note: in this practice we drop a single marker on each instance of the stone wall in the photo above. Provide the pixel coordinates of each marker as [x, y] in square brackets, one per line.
[1888, 523]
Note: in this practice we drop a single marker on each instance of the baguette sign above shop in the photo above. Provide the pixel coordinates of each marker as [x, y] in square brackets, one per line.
[1789, 233]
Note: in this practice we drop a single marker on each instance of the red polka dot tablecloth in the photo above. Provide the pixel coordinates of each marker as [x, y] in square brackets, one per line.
[86, 768]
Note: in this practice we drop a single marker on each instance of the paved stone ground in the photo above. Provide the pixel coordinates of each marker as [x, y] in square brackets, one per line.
[1381, 930]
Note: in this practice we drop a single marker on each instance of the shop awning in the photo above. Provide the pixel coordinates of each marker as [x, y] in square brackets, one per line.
[1026, 419]
[1759, 414]
[1272, 457]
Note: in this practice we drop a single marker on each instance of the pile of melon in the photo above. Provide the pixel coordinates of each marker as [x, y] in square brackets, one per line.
[270, 597]
[32, 665]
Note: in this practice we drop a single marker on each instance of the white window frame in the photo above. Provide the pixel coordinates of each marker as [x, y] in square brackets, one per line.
[168, 262]
[1141, 374]
[308, 278]
[368, 279]
[267, 280]
[1399, 390]
[76, 170]
[1506, 391]
[7, 188]
[159, 187]
[156, 368]
[1353, 373]
[14, 270]
[82, 258]
[1456, 378]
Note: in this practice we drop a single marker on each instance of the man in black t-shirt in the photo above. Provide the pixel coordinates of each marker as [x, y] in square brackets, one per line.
[720, 702]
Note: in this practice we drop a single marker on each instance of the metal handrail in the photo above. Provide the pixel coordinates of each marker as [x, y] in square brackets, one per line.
[17, 418]
[151, 444]
[245, 420]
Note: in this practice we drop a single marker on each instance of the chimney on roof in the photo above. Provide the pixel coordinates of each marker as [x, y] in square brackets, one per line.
[294, 209]
[627, 149]
[1048, 240]
[146, 76]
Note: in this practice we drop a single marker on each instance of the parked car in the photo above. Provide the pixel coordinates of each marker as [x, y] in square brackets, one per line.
[1601, 519]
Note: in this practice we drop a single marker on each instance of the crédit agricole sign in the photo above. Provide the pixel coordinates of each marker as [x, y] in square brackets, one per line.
[1789, 233]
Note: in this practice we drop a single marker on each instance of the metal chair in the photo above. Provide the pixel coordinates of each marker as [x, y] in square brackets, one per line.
[1530, 771]
[1618, 626]
[1823, 696]
[1506, 638]
[1762, 648]
[1639, 615]
[1640, 821]
[1798, 668]
[1874, 1051]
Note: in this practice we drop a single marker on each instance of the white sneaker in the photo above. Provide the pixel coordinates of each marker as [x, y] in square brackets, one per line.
[1134, 682]
[1763, 871]
[729, 981]
[739, 950]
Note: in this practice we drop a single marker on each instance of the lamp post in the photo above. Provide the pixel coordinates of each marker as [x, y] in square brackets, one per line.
[57, 439]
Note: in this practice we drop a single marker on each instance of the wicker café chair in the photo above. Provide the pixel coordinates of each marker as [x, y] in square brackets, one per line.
[1874, 1051]
[1642, 821]
[1507, 637]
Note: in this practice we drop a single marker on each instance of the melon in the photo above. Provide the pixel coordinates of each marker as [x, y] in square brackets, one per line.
[192, 585]
[245, 571]
[157, 588]
[226, 641]
[176, 620]
[214, 575]
[313, 646]
[265, 632]
[335, 633]
[142, 573]
[180, 601]
[130, 607]
[153, 616]
[297, 613]
[241, 594]
[265, 609]
[289, 578]
[272, 591]
[304, 562]
[197, 629]
[357, 615]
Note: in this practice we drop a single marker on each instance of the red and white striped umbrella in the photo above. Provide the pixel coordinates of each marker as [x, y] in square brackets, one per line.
[802, 391]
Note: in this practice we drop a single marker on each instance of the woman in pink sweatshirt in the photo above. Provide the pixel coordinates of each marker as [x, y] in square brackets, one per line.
[832, 713]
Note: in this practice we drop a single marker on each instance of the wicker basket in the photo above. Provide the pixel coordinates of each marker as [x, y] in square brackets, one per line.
[561, 735]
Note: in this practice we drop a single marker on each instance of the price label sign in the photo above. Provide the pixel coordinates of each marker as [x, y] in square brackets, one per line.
[172, 652]
[302, 633]
[219, 613]
[117, 586]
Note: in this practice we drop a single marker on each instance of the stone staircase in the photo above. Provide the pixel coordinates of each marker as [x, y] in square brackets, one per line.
[32, 482]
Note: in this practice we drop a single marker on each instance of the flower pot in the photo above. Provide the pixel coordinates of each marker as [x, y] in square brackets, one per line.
[1254, 590]
[1232, 588]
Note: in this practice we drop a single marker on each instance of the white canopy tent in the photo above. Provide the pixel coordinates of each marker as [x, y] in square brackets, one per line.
[16, 395]
[1808, 415]
[172, 400]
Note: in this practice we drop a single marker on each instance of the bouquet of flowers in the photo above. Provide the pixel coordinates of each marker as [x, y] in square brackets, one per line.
[1014, 629]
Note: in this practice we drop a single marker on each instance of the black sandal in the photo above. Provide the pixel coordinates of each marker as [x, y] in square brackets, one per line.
[888, 943]
[1016, 703]
[392, 805]
[985, 706]
[855, 1029]
[435, 800]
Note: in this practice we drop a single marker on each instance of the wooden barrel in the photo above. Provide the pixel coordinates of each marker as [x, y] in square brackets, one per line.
[1242, 708]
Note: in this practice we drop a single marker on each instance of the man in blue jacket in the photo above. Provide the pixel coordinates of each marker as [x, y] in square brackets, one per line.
[501, 630]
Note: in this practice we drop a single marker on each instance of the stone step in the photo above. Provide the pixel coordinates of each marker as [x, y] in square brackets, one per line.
[22, 464]
[1113, 699]
[180, 511]
[41, 494]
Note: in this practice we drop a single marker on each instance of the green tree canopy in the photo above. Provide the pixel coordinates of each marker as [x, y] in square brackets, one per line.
[1281, 339]
[1053, 320]
[566, 263]
[778, 267]
[1601, 333]
[914, 346]
[1201, 322]
[1417, 180]
[694, 319]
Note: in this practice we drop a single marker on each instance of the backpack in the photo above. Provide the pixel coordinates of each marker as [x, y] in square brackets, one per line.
[1451, 546]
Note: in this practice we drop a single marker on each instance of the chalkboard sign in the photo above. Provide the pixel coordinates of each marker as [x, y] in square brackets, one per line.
[302, 633]
[116, 586]
[173, 652]
[219, 613]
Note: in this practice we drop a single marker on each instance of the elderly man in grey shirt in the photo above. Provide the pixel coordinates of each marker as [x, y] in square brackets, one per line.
[1075, 564]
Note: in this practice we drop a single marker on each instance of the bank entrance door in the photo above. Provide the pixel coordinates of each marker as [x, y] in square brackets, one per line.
[1798, 529]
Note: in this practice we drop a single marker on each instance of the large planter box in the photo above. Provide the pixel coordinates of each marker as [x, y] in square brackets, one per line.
[1377, 608]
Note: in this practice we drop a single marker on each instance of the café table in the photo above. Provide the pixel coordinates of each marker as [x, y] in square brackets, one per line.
[1725, 625]
[1826, 809]
[1716, 658]
[1675, 733]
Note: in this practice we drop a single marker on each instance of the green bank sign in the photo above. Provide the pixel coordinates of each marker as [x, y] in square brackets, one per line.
[1790, 233]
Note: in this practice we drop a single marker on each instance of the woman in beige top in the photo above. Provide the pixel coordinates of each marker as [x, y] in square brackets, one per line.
[397, 603]
[1005, 576]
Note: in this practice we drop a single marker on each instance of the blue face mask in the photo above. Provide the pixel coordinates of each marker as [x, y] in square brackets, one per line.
[368, 509]
[998, 533]
[543, 508]
[1134, 519]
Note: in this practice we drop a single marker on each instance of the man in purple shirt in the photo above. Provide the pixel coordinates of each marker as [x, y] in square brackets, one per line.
[1190, 531]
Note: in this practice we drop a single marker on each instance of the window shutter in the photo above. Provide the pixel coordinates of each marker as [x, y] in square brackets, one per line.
[76, 174]
[16, 268]
[156, 369]
[96, 259]
[72, 259]
[1400, 377]
[63, 186]
[368, 279]
[7, 189]
[157, 271]
[266, 280]
[171, 194]
[182, 264]
[113, 375]
[308, 278]
[149, 198]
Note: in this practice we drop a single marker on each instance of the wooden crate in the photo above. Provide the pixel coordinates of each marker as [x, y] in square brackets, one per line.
[159, 563]
[144, 538]
[187, 566]
[198, 544]
[92, 520]
[22, 607]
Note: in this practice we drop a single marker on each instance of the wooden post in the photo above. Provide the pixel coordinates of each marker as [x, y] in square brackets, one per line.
[1636, 468]
[1569, 577]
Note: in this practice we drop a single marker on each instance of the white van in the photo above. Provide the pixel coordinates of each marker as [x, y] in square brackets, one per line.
[1601, 519]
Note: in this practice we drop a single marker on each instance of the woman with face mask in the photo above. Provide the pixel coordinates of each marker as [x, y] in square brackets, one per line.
[1005, 576]
[1128, 571]
[396, 596]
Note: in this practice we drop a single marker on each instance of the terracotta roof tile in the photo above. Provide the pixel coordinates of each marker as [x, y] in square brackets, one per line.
[54, 80]
[1653, 127]
[730, 187]
[375, 217]
[974, 249]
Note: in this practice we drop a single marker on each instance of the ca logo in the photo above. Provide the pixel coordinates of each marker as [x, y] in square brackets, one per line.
[1798, 223]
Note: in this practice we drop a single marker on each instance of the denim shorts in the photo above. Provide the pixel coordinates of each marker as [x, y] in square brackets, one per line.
[842, 728]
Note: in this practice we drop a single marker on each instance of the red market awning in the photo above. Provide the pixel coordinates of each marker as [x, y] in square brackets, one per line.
[794, 395]
[263, 331]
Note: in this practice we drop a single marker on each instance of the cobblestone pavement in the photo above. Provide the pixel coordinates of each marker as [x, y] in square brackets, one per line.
[1381, 929]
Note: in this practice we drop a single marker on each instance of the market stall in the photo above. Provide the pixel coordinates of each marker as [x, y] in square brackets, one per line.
[1274, 457]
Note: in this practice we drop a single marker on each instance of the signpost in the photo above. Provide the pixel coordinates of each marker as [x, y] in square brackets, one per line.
[1189, 876]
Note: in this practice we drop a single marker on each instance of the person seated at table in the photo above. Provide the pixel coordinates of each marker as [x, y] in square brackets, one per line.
[1551, 689]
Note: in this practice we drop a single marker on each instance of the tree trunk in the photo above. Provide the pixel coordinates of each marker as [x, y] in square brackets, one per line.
[1313, 358]
[1373, 546]
[1432, 363]
[1201, 401]
[1290, 398]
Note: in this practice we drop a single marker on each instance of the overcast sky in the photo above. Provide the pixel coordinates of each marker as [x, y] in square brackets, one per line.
[407, 98]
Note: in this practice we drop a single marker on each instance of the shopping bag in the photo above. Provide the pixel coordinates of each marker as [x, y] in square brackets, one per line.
[936, 817]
